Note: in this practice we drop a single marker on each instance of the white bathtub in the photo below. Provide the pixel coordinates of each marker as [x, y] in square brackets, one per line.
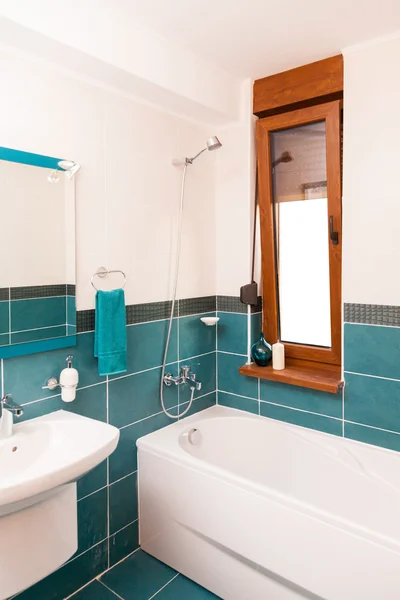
[261, 510]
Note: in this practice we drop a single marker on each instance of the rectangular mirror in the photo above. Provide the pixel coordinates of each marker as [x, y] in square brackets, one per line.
[37, 270]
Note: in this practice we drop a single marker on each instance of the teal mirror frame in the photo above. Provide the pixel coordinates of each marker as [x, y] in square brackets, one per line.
[32, 347]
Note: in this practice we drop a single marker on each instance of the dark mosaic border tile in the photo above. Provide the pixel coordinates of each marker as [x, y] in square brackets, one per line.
[38, 291]
[71, 289]
[85, 320]
[4, 294]
[372, 314]
[195, 306]
[233, 304]
[149, 311]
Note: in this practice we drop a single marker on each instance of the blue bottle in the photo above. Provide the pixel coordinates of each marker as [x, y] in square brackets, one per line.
[261, 352]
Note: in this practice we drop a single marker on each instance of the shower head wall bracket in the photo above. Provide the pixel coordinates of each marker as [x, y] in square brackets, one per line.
[213, 143]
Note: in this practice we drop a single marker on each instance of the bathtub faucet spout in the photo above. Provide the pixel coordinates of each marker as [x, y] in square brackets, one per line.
[185, 376]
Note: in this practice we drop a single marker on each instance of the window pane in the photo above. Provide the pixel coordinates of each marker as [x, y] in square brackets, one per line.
[301, 234]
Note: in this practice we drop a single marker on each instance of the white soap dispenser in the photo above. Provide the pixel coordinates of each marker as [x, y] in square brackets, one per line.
[69, 379]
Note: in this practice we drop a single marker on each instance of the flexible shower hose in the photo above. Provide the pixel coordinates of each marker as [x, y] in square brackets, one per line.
[171, 317]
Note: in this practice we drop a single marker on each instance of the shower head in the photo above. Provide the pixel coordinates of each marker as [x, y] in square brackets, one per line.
[285, 157]
[212, 143]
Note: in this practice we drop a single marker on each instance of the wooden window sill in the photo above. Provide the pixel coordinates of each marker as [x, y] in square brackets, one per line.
[316, 376]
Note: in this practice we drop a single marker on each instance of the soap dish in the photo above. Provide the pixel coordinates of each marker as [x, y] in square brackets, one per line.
[209, 321]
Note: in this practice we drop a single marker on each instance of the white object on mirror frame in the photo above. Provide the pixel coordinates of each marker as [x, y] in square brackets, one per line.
[278, 356]
[209, 321]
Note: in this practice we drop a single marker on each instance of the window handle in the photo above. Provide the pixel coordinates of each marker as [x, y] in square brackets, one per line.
[332, 233]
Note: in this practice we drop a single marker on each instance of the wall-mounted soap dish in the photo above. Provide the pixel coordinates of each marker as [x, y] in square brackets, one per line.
[209, 321]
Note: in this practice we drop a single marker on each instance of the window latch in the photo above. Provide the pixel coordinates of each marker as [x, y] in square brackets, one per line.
[332, 233]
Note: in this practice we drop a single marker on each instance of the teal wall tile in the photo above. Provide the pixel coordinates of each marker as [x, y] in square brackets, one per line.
[4, 339]
[238, 402]
[38, 368]
[71, 310]
[199, 404]
[376, 437]
[256, 327]
[92, 481]
[92, 520]
[139, 576]
[372, 401]
[124, 459]
[4, 314]
[38, 334]
[138, 396]
[232, 332]
[304, 419]
[124, 542]
[146, 344]
[194, 337]
[303, 398]
[36, 313]
[123, 503]
[229, 379]
[372, 350]
[94, 591]
[70, 577]
[89, 402]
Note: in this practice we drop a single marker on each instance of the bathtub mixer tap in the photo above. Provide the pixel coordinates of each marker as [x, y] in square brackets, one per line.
[185, 376]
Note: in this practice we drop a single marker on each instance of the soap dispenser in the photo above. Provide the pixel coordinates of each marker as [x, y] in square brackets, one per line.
[69, 379]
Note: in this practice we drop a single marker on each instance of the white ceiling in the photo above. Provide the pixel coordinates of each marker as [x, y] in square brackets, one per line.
[254, 38]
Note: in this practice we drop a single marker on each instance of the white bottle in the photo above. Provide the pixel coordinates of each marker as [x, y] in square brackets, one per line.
[69, 379]
[278, 356]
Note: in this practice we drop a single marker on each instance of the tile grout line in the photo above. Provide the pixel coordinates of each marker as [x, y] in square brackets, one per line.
[110, 590]
[125, 526]
[373, 376]
[161, 412]
[108, 478]
[164, 586]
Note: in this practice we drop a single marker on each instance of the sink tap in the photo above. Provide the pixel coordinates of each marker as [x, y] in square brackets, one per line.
[8, 408]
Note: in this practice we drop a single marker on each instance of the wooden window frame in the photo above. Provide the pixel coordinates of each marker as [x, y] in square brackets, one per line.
[330, 113]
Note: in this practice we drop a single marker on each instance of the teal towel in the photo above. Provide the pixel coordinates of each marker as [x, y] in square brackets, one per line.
[110, 332]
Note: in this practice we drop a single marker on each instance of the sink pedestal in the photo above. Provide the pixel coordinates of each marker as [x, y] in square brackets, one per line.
[37, 540]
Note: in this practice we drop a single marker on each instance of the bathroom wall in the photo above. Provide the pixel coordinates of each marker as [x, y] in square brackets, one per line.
[127, 198]
[371, 212]
[369, 408]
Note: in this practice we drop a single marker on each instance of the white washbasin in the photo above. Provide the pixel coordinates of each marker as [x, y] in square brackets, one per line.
[47, 452]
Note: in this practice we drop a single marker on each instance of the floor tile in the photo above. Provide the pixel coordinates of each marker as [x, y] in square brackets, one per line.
[94, 591]
[182, 588]
[138, 577]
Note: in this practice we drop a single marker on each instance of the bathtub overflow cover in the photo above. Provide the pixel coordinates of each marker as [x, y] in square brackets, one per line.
[194, 436]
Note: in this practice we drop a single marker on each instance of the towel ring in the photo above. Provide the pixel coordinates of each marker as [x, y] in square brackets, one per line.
[103, 272]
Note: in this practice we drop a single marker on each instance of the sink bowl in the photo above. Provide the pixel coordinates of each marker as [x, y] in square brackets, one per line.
[47, 452]
[39, 466]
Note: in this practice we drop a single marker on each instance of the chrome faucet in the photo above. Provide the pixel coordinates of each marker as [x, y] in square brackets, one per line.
[185, 376]
[8, 408]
